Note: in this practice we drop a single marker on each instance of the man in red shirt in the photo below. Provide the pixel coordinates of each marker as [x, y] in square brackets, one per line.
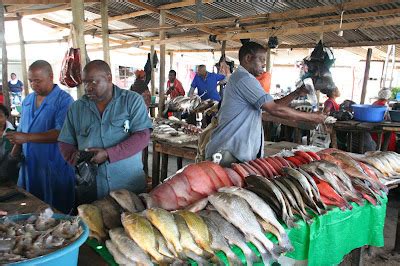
[174, 86]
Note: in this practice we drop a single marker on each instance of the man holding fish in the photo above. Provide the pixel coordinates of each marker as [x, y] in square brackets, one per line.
[239, 135]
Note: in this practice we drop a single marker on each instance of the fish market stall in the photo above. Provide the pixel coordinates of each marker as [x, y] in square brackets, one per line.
[355, 128]
[297, 205]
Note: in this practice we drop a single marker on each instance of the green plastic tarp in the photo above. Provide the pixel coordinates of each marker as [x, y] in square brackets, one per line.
[324, 242]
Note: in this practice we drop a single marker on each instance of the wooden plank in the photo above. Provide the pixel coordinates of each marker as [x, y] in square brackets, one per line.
[162, 66]
[104, 31]
[42, 2]
[164, 167]
[174, 150]
[121, 17]
[33, 12]
[184, 3]
[15, 8]
[366, 76]
[78, 16]
[155, 177]
[4, 59]
[23, 57]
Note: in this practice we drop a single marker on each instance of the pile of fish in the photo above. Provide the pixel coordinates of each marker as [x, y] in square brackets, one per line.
[36, 236]
[191, 184]
[165, 126]
[234, 216]
[183, 104]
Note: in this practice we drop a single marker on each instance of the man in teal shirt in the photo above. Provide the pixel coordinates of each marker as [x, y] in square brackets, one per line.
[114, 125]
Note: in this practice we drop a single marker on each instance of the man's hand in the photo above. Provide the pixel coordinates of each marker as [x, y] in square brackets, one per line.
[17, 137]
[320, 117]
[100, 155]
[3, 212]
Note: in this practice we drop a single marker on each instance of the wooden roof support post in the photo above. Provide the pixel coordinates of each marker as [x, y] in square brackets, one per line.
[268, 60]
[104, 30]
[23, 57]
[366, 76]
[171, 60]
[153, 76]
[78, 16]
[223, 48]
[4, 60]
[162, 65]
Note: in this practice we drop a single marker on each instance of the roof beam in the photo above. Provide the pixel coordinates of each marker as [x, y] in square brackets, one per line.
[43, 11]
[42, 2]
[121, 17]
[184, 3]
[342, 44]
[14, 8]
[171, 16]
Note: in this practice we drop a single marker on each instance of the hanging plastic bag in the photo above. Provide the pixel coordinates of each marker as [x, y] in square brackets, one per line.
[70, 75]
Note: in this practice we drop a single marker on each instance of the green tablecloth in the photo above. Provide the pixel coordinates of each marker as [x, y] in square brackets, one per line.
[333, 235]
[326, 241]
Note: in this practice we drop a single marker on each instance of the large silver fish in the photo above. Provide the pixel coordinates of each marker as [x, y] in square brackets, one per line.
[238, 212]
[263, 210]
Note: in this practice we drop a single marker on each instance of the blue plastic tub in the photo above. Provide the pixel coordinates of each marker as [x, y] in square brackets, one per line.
[369, 113]
[62, 257]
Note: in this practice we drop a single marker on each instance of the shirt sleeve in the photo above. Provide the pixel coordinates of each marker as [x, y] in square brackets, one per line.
[139, 117]
[194, 83]
[129, 147]
[252, 92]
[180, 89]
[68, 131]
[62, 110]
[220, 77]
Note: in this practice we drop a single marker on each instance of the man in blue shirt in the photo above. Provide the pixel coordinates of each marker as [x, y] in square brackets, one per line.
[239, 135]
[113, 124]
[44, 172]
[206, 84]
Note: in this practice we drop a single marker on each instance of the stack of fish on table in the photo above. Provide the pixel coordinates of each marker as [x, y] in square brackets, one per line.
[205, 208]
[188, 104]
[174, 128]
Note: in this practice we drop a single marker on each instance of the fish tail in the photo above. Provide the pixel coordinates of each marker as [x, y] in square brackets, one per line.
[287, 245]
[251, 257]
[265, 255]
[277, 251]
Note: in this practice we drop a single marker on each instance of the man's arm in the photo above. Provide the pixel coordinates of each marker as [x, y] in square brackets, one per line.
[69, 152]
[286, 112]
[191, 91]
[44, 137]
[302, 91]
[129, 147]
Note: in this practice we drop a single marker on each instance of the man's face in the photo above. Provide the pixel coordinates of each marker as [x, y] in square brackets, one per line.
[171, 77]
[3, 118]
[98, 84]
[202, 72]
[41, 81]
[257, 63]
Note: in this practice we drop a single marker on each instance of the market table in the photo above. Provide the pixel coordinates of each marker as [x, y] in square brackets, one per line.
[297, 125]
[164, 149]
[27, 203]
[384, 128]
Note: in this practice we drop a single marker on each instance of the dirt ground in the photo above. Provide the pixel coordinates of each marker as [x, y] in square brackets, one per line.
[384, 255]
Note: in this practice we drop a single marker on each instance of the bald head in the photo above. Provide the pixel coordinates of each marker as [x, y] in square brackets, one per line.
[99, 65]
[42, 65]
[40, 76]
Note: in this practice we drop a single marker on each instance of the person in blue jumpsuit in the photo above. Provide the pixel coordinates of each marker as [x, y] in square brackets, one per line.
[114, 125]
[44, 172]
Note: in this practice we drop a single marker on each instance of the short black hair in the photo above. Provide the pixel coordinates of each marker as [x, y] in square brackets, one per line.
[98, 64]
[201, 66]
[4, 110]
[173, 72]
[13, 74]
[250, 48]
[43, 65]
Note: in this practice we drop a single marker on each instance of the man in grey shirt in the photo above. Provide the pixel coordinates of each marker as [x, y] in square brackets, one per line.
[239, 135]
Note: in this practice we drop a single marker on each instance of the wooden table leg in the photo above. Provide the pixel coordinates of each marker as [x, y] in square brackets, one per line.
[362, 141]
[164, 167]
[379, 148]
[297, 135]
[156, 167]
[145, 160]
[386, 140]
[334, 139]
[357, 257]
[178, 163]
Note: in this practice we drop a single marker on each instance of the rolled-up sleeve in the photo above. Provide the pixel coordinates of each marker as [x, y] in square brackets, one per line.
[62, 110]
[251, 90]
